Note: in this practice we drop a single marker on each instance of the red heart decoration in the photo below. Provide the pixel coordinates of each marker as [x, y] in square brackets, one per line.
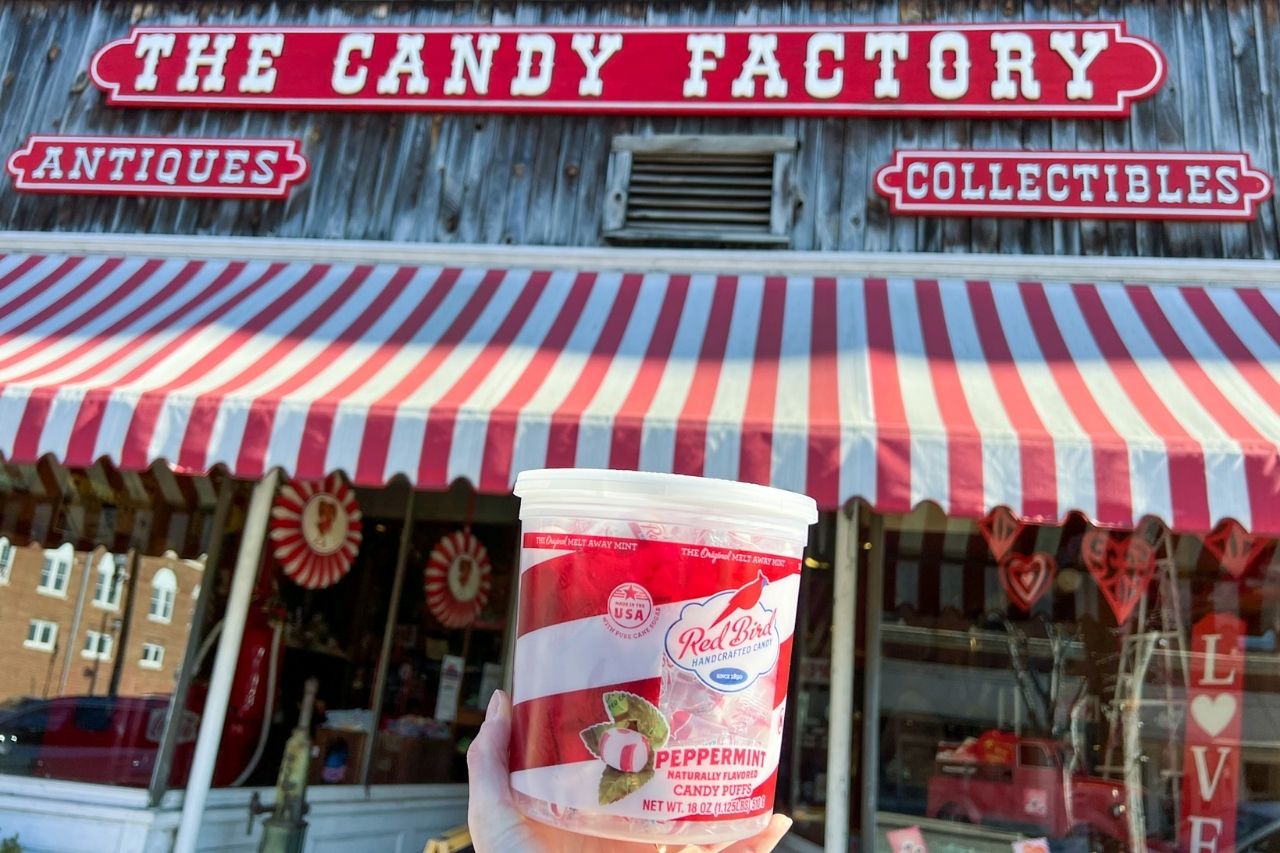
[1026, 579]
[1233, 547]
[1122, 566]
[1000, 528]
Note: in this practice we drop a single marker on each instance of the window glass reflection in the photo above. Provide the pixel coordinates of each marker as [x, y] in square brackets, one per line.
[87, 683]
[1087, 687]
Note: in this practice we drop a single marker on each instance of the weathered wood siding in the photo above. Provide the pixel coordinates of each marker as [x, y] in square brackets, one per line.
[540, 179]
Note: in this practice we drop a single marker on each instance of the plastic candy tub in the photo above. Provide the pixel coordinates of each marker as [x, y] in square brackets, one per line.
[653, 640]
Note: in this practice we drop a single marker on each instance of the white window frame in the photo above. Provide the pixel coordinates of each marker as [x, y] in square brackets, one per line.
[97, 646]
[164, 591]
[110, 569]
[7, 553]
[46, 645]
[149, 660]
[65, 557]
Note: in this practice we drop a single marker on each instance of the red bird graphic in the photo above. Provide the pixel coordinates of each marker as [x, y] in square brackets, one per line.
[744, 599]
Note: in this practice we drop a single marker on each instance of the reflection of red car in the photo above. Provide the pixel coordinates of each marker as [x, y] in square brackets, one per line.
[111, 740]
[1023, 783]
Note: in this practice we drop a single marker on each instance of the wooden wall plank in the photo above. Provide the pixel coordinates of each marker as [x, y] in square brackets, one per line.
[1255, 106]
[1008, 232]
[1179, 111]
[1037, 234]
[1117, 136]
[1214, 28]
[1064, 134]
[1267, 25]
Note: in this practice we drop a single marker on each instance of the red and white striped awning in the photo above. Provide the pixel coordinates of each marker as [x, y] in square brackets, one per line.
[1117, 401]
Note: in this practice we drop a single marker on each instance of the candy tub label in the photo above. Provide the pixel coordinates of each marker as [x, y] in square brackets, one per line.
[650, 677]
[727, 641]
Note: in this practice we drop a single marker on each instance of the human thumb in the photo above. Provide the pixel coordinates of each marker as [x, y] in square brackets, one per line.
[487, 756]
[495, 824]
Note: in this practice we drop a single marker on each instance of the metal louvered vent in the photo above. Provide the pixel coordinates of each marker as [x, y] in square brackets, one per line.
[707, 190]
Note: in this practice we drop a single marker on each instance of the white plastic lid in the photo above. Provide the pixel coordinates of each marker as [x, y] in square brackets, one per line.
[641, 488]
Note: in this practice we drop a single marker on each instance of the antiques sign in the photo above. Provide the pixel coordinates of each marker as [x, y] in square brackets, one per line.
[1074, 184]
[135, 165]
[1045, 69]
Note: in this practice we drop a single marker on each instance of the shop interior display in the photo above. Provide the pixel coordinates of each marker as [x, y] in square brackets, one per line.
[457, 579]
[438, 675]
[316, 531]
[1091, 705]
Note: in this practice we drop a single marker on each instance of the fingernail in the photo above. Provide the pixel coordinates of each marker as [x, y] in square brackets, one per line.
[495, 705]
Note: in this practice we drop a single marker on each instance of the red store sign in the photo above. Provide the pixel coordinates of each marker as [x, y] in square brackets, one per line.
[1071, 184]
[135, 165]
[1064, 69]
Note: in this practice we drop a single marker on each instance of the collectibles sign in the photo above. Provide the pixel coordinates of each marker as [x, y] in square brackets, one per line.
[1071, 184]
[113, 165]
[1060, 69]
[1211, 779]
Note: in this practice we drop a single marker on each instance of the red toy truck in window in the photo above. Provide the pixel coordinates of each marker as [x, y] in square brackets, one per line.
[1026, 784]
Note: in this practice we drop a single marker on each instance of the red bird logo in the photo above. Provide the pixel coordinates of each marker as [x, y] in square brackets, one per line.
[744, 599]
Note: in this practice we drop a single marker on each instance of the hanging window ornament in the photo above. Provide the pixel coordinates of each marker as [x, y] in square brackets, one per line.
[316, 531]
[1027, 578]
[1000, 528]
[457, 579]
[1122, 566]
[1233, 547]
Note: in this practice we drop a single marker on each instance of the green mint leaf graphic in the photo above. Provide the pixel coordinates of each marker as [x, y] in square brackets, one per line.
[591, 737]
[616, 703]
[614, 784]
[638, 713]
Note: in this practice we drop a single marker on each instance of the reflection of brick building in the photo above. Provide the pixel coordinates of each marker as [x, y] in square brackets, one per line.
[63, 620]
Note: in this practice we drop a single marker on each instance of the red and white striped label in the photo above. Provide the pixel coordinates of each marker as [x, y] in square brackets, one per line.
[651, 676]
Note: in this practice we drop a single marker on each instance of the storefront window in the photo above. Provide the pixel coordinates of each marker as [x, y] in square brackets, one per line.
[1099, 689]
[447, 638]
[79, 554]
[438, 674]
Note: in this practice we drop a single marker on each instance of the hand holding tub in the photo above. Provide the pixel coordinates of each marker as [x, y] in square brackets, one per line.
[496, 825]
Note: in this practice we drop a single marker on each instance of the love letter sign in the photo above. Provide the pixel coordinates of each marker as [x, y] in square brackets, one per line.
[1210, 783]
